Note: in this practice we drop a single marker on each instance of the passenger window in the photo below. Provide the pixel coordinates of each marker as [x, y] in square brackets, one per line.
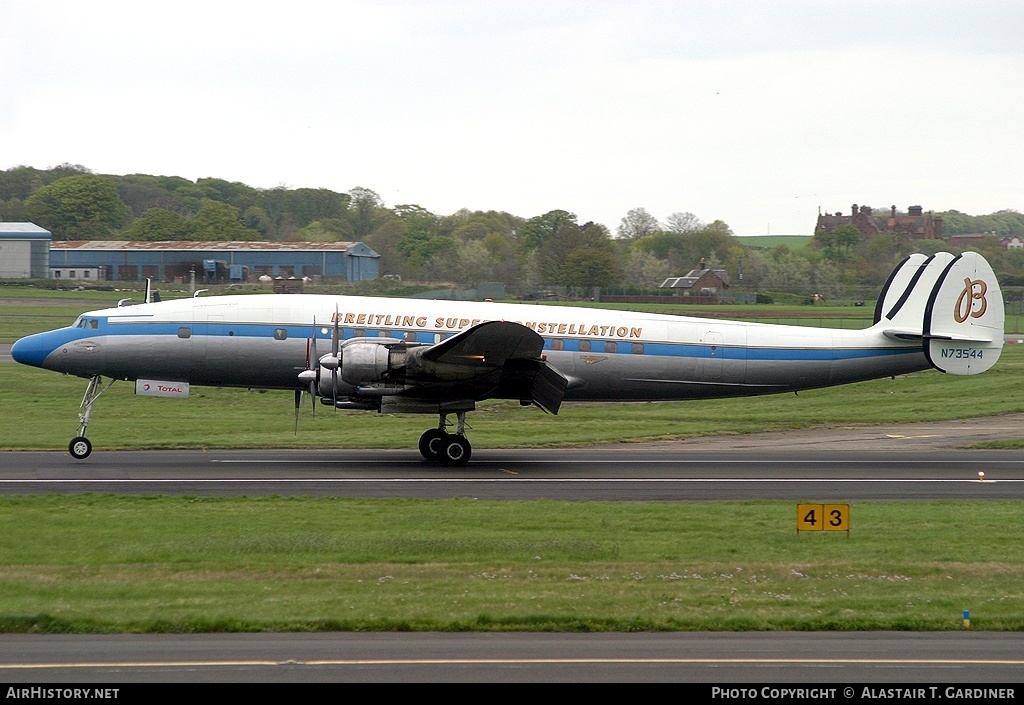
[557, 344]
[638, 349]
[184, 332]
[610, 347]
[584, 346]
[280, 334]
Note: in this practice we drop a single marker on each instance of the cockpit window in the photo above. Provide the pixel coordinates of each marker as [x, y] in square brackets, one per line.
[83, 322]
[79, 323]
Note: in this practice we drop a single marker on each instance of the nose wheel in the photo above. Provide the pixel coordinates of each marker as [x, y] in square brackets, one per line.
[452, 449]
[80, 448]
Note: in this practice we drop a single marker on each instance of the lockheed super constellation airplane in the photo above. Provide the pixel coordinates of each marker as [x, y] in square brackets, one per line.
[442, 357]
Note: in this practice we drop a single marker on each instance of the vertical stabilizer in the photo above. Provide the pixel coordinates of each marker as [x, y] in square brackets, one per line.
[900, 281]
[905, 299]
[963, 324]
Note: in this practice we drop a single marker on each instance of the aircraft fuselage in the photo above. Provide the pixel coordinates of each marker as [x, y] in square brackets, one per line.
[265, 341]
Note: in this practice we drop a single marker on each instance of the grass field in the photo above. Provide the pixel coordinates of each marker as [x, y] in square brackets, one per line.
[97, 563]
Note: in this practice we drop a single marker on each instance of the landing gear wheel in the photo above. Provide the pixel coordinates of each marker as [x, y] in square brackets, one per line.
[430, 443]
[455, 450]
[80, 448]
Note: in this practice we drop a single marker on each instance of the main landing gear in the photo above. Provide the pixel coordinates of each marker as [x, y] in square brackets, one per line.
[451, 449]
[80, 447]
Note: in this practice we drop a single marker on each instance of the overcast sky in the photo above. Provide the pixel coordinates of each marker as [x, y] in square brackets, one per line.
[752, 112]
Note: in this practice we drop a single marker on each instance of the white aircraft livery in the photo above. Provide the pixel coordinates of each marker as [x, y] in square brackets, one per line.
[442, 357]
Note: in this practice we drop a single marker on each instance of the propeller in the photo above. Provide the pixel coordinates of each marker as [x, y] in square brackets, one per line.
[310, 375]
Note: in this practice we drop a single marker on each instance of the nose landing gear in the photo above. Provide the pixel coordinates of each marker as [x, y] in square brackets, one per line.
[452, 449]
[80, 447]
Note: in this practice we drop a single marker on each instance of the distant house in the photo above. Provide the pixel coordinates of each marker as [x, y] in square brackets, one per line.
[699, 282]
[914, 225]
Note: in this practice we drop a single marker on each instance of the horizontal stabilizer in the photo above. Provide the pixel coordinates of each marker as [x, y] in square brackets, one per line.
[903, 335]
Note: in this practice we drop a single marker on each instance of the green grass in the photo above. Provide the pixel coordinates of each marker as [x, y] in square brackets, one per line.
[99, 563]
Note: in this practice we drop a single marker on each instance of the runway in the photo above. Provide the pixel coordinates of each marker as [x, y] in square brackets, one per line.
[938, 659]
[673, 472]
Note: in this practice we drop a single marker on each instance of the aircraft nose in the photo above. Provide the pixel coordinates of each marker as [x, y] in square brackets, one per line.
[33, 349]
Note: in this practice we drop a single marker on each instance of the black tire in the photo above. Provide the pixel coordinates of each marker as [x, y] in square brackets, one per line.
[455, 451]
[430, 446]
[80, 448]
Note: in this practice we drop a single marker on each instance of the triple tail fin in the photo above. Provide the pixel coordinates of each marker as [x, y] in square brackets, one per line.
[952, 304]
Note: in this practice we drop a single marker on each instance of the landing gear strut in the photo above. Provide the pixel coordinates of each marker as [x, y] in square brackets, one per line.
[80, 447]
[451, 449]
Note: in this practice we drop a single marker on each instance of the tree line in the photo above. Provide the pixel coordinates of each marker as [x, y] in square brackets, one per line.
[467, 247]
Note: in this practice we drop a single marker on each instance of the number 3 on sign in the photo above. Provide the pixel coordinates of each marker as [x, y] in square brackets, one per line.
[823, 517]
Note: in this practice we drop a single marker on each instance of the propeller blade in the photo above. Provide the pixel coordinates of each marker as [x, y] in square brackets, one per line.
[335, 343]
[298, 402]
[314, 360]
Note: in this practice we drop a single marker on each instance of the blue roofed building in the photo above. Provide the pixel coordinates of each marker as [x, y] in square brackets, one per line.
[168, 261]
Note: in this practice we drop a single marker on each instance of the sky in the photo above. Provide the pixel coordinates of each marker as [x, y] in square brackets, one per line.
[758, 113]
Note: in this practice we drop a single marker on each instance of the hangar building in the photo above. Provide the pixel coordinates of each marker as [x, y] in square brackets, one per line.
[129, 260]
[24, 251]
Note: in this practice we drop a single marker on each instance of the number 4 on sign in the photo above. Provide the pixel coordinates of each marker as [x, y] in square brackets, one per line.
[823, 517]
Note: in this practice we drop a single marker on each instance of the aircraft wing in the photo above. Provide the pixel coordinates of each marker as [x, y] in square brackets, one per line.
[488, 343]
[498, 359]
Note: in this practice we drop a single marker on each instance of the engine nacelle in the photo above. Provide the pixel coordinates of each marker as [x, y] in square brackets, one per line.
[364, 363]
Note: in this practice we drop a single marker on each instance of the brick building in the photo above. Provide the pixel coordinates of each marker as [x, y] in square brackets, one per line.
[914, 225]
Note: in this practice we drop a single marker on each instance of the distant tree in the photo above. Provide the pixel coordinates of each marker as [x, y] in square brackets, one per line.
[638, 223]
[159, 224]
[234, 193]
[684, 223]
[80, 207]
[540, 229]
[579, 256]
[142, 192]
[588, 267]
[220, 221]
[365, 212]
[13, 209]
[467, 264]
[20, 182]
[838, 242]
[644, 269]
[255, 218]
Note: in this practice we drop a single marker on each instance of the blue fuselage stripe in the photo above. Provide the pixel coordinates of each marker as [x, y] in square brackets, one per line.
[598, 347]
